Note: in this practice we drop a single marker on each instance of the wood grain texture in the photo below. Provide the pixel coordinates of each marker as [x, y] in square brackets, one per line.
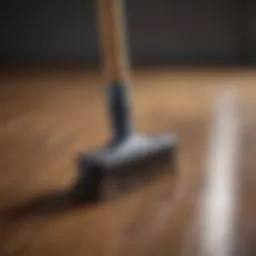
[48, 117]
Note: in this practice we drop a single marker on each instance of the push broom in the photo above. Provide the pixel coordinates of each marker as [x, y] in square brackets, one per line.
[128, 151]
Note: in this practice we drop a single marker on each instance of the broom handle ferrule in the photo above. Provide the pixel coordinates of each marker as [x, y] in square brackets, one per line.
[114, 50]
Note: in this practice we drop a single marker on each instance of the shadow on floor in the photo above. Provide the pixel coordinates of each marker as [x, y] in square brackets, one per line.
[91, 191]
[48, 204]
[65, 200]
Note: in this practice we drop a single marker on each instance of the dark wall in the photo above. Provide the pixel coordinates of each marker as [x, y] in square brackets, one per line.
[183, 30]
[250, 35]
[49, 29]
[163, 31]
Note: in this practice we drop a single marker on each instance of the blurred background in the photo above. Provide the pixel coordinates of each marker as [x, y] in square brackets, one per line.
[53, 107]
[161, 32]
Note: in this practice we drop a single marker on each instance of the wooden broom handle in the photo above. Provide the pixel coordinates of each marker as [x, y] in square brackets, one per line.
[113, 40]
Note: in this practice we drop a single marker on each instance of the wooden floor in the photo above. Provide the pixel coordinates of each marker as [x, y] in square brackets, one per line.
[49, 116]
